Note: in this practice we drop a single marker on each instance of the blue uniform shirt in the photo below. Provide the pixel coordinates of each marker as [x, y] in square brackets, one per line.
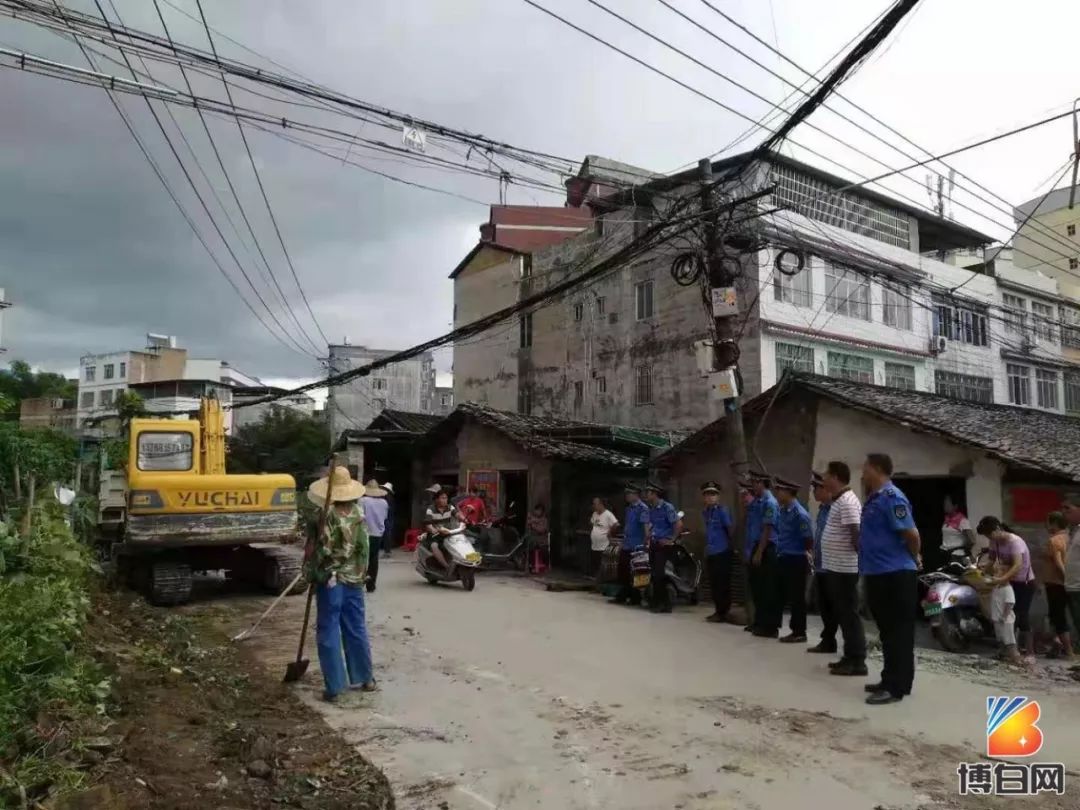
[663, 518]
[819, 530]
[793, 530]
[885, 515]
[760, 513]
[637, 515]
[718, 527]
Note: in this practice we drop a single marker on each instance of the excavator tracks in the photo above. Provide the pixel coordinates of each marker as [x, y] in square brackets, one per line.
[280, 566]
[169, 583]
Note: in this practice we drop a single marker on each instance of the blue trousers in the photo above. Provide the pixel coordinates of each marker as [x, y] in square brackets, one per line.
[341, 626]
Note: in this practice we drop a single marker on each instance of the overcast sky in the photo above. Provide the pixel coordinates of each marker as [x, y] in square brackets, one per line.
[93, 254]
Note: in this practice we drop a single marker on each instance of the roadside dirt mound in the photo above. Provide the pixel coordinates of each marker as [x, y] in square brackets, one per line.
[196, 723]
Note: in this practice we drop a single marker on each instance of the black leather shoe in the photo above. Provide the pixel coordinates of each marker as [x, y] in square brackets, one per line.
[748, 628]
[875, 687]
[822, 647]
[850, 668]
[882, 698]
[794, 638]
[767, 633]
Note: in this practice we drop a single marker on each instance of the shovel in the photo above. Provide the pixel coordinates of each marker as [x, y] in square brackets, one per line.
[296, 669]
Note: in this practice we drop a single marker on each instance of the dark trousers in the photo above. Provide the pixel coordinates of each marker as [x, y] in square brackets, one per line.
[596, 559]
[719, 567]
[374, 546]
[843, 591]
[826, 609]
[1073, 598]
[659, 597]
[1057, 607]
[791, 573]
[892, 598]
[763, 590]
[627, 593]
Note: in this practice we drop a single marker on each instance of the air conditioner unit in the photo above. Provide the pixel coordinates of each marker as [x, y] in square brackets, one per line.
[938, 344]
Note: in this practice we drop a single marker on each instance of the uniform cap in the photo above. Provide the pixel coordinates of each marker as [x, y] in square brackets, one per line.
[633, 488]
[760, 476]
[817, 479]
[710, 486]
[653, 487]
[783, 483]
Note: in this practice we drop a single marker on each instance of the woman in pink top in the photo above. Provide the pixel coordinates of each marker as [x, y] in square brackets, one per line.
[1011, 550]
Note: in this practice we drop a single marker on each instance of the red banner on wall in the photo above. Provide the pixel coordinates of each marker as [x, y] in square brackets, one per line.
[1032, 505]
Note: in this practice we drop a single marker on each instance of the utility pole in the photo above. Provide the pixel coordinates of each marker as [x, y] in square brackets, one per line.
[725, 305]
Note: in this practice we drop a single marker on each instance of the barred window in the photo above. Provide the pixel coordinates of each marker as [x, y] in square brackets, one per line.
[1019, 384]
[960, 323]
[1015, 313]
[643, 299]
[1046, 388]
[851, 367]
[964, 386]
[819, 200]
[794, 357]
[1042, 317]
[794, 289]
[1072, 392]
[1070, 326]
[643, 393]
[900, 375]
[896, 307]
[847, 292]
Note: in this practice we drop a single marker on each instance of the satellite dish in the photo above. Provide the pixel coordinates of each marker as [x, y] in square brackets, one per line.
[64, 495]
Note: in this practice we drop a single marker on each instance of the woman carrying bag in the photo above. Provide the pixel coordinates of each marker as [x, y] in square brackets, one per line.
[337, 561]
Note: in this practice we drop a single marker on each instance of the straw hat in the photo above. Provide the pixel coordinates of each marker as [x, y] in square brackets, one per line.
[344, 488]
[373, 490]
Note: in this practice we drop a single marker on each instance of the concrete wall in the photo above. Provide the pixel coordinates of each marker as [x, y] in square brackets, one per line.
[486, 367]
[406, 386]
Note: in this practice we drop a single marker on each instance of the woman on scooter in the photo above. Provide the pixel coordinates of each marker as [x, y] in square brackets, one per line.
[1011, 550]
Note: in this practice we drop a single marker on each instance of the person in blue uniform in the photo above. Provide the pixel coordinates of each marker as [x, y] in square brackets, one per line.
[664, 526]
[830, 626]
[759, 552]
[718, 550]
[889, 547]
[794, 538]
[633, 539]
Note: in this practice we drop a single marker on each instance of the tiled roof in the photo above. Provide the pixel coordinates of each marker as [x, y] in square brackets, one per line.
[1021, 437]
[392, 419]
[569, 440]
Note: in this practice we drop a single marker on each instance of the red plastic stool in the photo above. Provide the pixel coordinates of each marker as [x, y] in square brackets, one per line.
[412, 538]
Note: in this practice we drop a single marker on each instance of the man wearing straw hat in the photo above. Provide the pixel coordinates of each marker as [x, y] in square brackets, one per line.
[337, 560]
[376, 512]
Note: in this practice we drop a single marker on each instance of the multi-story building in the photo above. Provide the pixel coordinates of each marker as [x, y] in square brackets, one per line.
[832, 280]
[405, 386]
[444, 400]
[250, 414]
[103, 376]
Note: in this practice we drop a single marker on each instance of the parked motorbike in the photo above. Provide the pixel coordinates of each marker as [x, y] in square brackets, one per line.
[683, 571]
[458, 549]
[515, 555]
[954, 608]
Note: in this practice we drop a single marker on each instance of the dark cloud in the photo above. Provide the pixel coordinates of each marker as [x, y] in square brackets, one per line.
[94, 254]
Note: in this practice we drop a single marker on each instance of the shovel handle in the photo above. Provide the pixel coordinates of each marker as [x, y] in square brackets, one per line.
[318, 539]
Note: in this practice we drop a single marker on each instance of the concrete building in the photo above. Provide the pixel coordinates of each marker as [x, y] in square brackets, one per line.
[491, 276]
[444, 400]
[831, 281]
[251, 414]
[48, 412]
[103, 376]
[1049, 239]
[406, 386]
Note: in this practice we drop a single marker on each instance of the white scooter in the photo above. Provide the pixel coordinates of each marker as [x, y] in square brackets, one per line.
[954, 608]
[460, 554]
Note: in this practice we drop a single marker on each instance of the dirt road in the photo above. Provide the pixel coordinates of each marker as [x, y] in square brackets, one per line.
[512, 697]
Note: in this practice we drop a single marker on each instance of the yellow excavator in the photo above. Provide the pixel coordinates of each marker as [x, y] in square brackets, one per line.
[184, 514]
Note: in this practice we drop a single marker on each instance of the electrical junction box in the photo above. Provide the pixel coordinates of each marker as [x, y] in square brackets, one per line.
[723, 385]
[703, 352]
[725, 302]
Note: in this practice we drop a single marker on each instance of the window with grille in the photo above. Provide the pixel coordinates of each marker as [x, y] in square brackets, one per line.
[378, 384]
[1019, 384]
[1046, 388]
[579, 311]
[1015, 313]
[960, 323]
[110, 371]
[91, 373]
[1071, 384]
[896, 307]
[526, 331]
[643, 300]
[1070, 326]
[379, 404]
[123, 370]
[851, 367]
[794, 289]
[601, 305]
[796, 358]
[86, 400]
[601, 385]
[900, 375]
[1070, 230]
[847, 292]
[525, 403]
[819, 200]
[1042, 318]
[964, 386]
[1074, 264]
[643, 391]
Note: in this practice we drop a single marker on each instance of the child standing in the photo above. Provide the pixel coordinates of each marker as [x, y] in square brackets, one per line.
[1002, 604]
